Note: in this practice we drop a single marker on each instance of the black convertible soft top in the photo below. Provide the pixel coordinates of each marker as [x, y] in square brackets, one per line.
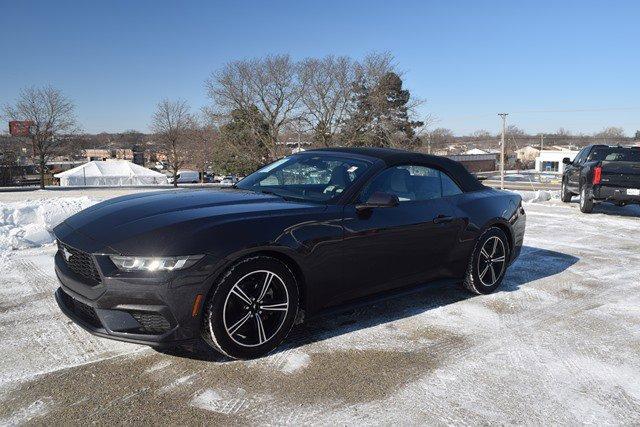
[392, 157]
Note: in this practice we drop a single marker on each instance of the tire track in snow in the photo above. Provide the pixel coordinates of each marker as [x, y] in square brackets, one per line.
[38, 326]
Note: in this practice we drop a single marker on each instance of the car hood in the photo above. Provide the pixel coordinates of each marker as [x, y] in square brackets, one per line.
[163, 220]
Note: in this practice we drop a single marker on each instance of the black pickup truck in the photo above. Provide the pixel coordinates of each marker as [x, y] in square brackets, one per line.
[602, 173]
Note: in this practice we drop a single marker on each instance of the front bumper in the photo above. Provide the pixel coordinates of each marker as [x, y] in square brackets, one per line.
[155, 311]
[614, 194]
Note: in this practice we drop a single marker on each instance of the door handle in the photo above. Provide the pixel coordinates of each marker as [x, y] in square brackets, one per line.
[441, 219]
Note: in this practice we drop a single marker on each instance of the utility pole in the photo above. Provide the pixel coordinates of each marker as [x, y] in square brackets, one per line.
[541, 141]
[504, 130]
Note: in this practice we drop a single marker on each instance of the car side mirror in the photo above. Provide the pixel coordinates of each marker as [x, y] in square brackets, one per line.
[567, 161]
[379, 200]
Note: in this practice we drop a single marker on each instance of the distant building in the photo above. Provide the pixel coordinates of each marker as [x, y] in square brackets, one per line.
[551, 160]
[92, 154]
[477, 162]
[476, 151]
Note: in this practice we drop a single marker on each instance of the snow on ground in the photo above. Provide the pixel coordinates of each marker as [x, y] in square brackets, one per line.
[29, 223]
[559, 344]
[30, 321]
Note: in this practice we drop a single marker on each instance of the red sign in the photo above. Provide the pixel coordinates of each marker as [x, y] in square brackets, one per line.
[20, 128]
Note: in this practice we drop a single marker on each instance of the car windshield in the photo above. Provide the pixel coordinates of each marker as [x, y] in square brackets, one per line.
[314, 177]
[618, 154]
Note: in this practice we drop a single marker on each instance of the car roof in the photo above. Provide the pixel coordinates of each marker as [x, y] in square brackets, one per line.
[393, 156]
[388, 155]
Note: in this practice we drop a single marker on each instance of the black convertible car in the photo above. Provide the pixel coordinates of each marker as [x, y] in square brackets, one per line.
[313, 231]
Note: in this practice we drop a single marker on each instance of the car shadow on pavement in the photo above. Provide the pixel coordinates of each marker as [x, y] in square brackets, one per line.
[533, 264]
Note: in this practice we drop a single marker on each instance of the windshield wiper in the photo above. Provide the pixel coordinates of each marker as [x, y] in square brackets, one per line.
[272, 193]
[286, 198]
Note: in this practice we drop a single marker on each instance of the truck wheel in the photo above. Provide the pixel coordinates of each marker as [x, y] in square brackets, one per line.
[586, 201]
[565, 195]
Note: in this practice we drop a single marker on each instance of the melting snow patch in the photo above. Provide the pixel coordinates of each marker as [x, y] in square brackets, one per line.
[295, 361]
[23, 415]
[158, 366]
[30, 223]
[211, 400]
[188, 379]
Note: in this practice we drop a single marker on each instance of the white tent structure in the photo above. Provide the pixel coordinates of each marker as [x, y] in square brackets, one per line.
[110, 173]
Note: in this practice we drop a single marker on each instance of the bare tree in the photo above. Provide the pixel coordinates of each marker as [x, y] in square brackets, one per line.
[373, 66]
[482, 134]
[562, 132]
[174, 127]
[327, 94]
[610, 134]
[269, 85]
[441, 137]
[424, 132]
[513, 130]
[52, 115]
[201, 148]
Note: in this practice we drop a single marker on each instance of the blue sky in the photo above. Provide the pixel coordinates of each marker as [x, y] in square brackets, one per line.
[468, 59]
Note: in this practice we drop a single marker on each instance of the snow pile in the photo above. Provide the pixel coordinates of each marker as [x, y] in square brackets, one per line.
[538, 196]
[29, 223]
[541, 196]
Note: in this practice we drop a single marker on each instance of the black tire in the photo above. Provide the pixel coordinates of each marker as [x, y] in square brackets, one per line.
[586, 201]
[264, 328]
[478, 279]
[565, 194]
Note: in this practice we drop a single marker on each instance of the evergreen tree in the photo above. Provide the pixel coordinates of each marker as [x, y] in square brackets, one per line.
[243, 139]
[380, 115]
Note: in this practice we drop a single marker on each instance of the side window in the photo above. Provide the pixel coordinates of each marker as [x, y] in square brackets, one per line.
[581, 156]
[449, 188]
[411, 183]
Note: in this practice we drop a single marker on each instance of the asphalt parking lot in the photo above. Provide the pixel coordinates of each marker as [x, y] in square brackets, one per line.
[560, 343]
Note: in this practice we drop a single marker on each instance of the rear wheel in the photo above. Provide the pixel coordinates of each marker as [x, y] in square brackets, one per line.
[586, 201]
[488, 263]
[252, 309]
[565, 194]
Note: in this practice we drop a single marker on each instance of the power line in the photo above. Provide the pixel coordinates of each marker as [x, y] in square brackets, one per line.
[575, 110]
[578, 110]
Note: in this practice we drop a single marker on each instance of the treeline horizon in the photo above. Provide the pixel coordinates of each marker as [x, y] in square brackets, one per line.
[257, 104]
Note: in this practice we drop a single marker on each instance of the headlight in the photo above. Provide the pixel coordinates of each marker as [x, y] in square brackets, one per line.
[127, 263]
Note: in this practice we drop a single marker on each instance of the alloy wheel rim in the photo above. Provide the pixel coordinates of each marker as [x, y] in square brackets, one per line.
[491, 261]
[255, 308]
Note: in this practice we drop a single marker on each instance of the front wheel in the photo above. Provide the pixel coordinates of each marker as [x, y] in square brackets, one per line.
[586, 201]
[488, 263]
[565, 195]
[252, 309]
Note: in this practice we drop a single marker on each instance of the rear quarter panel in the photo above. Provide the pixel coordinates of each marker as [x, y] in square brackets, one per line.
[479, 210]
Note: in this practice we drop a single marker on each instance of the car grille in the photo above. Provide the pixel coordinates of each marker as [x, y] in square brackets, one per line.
[81, 263]
[81, 310]
[151, 323]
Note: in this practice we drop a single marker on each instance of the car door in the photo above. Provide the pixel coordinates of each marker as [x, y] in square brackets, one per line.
[388, 247]
[572, 171]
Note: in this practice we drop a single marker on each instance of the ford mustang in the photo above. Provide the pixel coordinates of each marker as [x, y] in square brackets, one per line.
[318, 230]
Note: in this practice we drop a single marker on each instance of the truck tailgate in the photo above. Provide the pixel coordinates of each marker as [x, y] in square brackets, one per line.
[621, 174]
